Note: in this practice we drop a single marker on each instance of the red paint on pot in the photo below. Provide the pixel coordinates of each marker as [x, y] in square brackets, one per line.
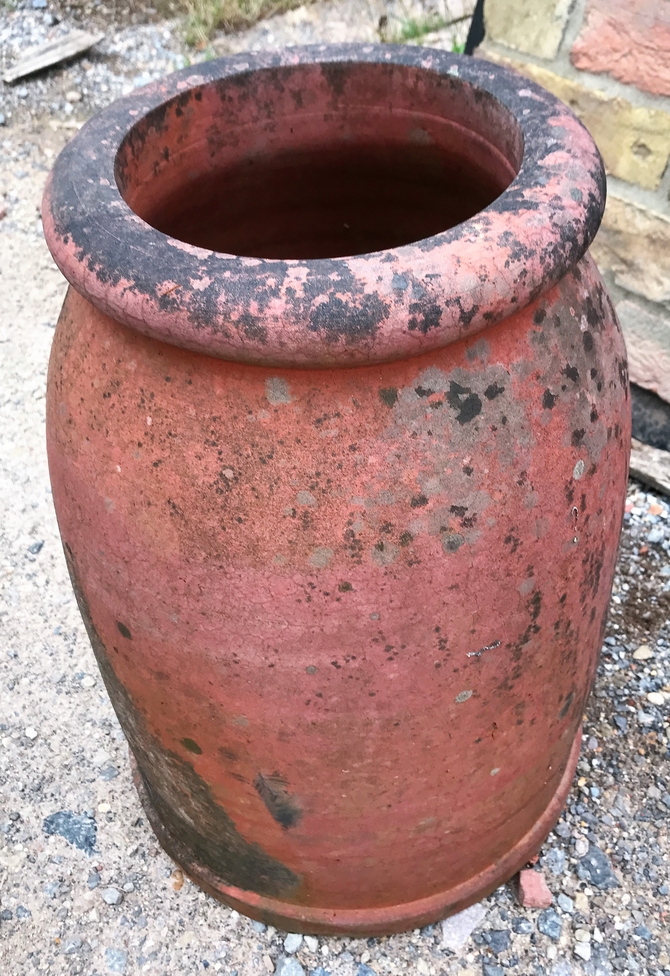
[342, 529]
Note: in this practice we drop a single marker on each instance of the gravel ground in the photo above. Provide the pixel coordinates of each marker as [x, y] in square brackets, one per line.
[133, 54]
[84, 888]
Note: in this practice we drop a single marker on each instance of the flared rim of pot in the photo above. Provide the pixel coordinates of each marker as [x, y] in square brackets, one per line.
[345, 310]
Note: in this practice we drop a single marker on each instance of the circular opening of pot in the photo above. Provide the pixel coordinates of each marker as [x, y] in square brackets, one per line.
[319, 160]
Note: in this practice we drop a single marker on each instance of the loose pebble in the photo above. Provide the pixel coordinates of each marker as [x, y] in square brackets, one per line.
[457, 929]
[288, 966]
[112, 896]
[532, 890]
[292, 942]
[550, 924]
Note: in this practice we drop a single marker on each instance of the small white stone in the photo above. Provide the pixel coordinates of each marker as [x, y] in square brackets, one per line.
[31, 733]
[656, 698]
[581, 846]
[552, 952]
[311, 943]
[583, 950]
[88, 681]
[582, 935]
[292, 942]
[112, 896]
[73, 96]
[101, 758]
[582, 903]
[643, 653]
[104, 808]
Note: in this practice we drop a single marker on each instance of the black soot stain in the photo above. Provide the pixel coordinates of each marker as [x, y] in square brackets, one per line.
[192, 746]
[388, 395]
[279, 802]
[462, 399]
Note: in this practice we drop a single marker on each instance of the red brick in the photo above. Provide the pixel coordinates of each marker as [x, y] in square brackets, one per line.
[532, 890]
[628, 39]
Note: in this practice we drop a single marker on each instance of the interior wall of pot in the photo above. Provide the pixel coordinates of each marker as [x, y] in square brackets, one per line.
[317, 161]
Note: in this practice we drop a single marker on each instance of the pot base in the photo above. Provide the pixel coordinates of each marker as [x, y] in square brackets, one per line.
[364, 921]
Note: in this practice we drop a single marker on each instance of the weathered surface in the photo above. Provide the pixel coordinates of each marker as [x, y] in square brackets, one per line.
[348, 617]
[533, 26]
[634, 140]
[647, 335]
[341, 310]
[650, 465]
[628, 39]
[51, 53]
[633, 243]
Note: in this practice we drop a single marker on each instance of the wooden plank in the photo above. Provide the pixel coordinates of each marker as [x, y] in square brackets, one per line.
[51, 53]
[650, 465]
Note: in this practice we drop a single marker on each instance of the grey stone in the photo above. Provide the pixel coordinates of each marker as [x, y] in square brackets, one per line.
[93, 880]
[498, 940]
[112, 896]
[599, 964]
[72, 946]
[116, 960]
[522, 926]
[554, 859]
[550, 924]
[77, 829]
[490, 969]
[565, 904]
[288, 966]
[596, 868]
[23, 912]
[292, 942]
[457, 929]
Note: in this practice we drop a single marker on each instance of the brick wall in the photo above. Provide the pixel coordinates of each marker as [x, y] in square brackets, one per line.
[610, 61]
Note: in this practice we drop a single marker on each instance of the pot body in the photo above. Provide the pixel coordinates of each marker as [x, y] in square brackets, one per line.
[348, 618]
